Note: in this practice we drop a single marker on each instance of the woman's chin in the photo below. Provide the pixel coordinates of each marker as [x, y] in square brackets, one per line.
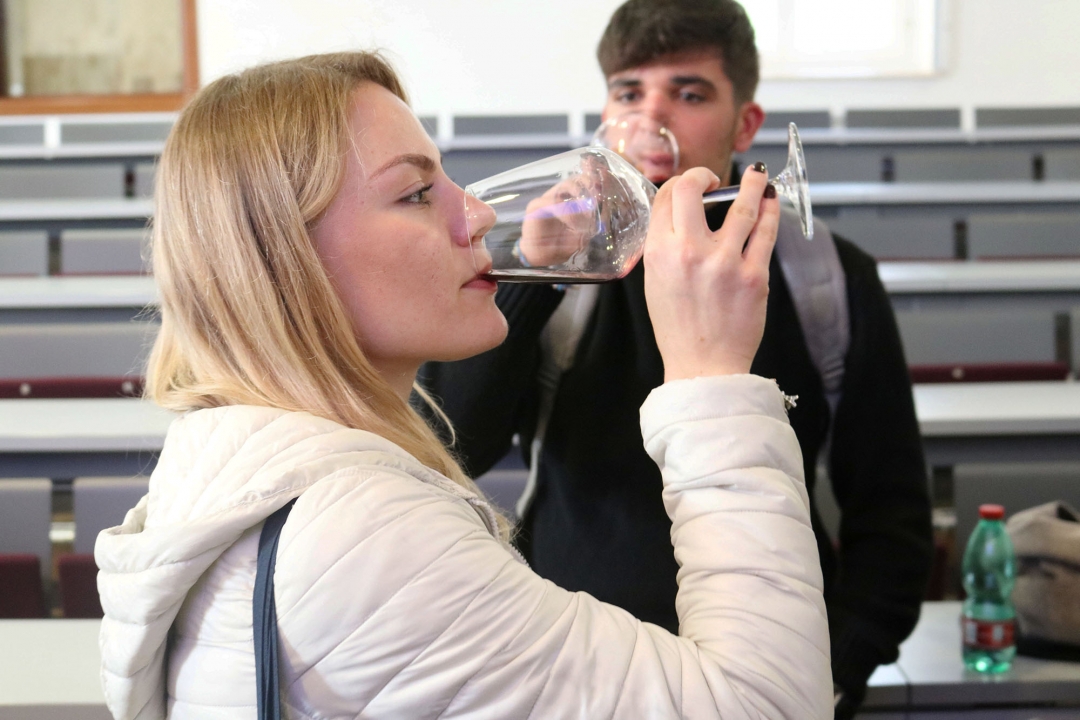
[481, 338]
[492, 336]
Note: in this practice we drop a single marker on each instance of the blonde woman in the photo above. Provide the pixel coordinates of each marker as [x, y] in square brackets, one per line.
[311, 254]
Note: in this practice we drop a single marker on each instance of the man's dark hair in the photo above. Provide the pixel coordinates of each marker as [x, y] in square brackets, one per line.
[641, 31]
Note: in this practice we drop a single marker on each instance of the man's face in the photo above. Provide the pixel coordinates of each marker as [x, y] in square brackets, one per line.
[690, 94]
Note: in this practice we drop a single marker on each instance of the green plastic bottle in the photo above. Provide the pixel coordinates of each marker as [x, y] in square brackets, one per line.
[988, 619]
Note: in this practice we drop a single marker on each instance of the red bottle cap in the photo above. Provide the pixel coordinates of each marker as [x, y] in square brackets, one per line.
[991, 512]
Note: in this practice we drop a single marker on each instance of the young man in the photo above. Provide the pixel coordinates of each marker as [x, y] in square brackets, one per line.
[575, 369]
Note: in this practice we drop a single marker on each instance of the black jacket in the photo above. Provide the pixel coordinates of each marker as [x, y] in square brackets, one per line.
[597, 522]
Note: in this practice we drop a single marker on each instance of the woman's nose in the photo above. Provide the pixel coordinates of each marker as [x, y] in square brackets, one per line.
[479, 218]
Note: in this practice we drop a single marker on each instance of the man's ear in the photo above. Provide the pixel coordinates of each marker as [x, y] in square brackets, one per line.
[751, 118]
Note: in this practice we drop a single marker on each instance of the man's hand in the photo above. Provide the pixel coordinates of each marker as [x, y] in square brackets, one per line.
[707, 290]
[563, 220]
[557, 224]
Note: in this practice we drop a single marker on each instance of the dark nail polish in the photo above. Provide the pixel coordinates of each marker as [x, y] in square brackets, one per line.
[760, 167]
[770, 191]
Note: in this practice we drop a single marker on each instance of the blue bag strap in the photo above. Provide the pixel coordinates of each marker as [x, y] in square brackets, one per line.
[265, 617]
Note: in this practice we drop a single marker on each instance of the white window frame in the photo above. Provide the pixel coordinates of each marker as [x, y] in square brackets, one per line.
[819, 39]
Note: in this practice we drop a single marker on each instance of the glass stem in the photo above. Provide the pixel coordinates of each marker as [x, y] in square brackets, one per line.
[724, 194]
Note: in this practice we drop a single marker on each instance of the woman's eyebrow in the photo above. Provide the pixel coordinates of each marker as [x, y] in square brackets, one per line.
[421, 161]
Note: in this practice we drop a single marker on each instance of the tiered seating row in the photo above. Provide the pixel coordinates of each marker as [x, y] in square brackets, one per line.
[73, 360]
[959, 322]
[27, 555]
[902, 183]
[79, 251]
[930, 190]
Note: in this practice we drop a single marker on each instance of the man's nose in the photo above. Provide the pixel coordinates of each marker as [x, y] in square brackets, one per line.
[657, 107]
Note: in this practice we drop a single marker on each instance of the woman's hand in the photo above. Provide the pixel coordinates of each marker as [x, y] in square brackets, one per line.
[707, 290]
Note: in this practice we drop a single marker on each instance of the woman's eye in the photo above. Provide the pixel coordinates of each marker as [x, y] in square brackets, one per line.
[420, 197]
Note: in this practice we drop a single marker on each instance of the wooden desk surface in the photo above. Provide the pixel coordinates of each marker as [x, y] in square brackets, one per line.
[19, 293]
[55, 145]
[77, 209]
[990, 409]
[899, 278]
[944, 193]
[93, 425]
[935, 675]
[50, 669]
[945, 410]
[843, 136]
[930, 659]
[822, 194]
[980, 277]
[55, 667]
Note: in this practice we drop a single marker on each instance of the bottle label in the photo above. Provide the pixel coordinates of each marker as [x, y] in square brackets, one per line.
[987, 634]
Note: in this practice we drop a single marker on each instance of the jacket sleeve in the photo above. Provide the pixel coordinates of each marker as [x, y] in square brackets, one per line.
[395, 602]
[879, 479]
[488, 396]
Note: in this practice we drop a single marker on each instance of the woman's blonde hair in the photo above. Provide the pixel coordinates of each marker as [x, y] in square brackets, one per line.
[248, 312]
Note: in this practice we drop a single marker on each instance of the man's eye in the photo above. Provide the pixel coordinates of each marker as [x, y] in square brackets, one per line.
[692, 97]
[420, 197]
[626, 97]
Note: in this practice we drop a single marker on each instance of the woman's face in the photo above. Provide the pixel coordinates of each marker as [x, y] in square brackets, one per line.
[398, 250]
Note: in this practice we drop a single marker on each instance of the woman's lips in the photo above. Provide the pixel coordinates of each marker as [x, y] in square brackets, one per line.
[482, 282]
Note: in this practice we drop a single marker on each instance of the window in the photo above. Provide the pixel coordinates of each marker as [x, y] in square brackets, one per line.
[96, 55]
[846, 38]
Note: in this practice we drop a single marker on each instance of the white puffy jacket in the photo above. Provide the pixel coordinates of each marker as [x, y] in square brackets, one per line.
[395, 600]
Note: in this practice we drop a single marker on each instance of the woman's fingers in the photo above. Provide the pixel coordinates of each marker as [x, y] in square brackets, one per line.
[743, 215]
[687, 210]
[763, 237]
[706, 296]
[660, 215]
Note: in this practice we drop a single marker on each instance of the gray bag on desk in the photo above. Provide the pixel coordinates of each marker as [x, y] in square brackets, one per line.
[1047, 591]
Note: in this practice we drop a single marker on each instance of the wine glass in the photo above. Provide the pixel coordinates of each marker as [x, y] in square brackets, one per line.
[641, 140]
[581, 216]
[791, 184]
[577, 217]
[652, 149]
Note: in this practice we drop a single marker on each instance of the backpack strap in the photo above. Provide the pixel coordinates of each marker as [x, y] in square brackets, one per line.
[819, 291]
[264, 624]
[559, 341]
